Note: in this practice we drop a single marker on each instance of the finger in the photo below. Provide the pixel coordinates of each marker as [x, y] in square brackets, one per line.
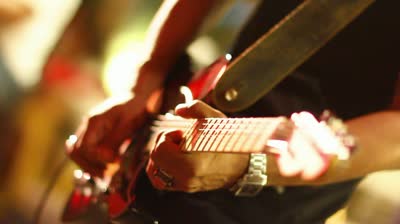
[317, 147]
[312, 162]
[155, 181]
[288, 166]
[86, 158]
[197, 109]
[115, 143]
[74, 142]
[104, 143]
[315, 163]
[321, 134]
[167, 153]
[93, 168]
[86, 143]
[172, 138]
[102, 154]
[70, 143]
[110, 149]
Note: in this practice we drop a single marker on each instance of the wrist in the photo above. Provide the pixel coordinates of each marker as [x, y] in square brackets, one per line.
[151, 76]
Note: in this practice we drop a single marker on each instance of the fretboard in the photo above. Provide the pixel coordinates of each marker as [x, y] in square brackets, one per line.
[239, 135]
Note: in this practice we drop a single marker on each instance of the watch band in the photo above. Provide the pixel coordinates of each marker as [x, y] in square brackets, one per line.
[255, 178]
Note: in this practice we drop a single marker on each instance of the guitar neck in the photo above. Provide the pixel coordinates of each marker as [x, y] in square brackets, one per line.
[233, 135]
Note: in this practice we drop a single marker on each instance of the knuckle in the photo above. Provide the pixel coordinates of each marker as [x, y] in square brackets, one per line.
[195, 105]
[155, 153]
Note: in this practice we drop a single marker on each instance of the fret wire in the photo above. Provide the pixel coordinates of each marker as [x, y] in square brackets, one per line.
[235, 136]
[213, 136]
[203, 135]
[257, 137]
[256, 119]
[194, 136]
[223, 123]
[260, 142]
[243, 137]
[189, 136]
[204, 130]
[224, 126]
[250, 138]
[197, 135]
[206, 135]
[163, 124]
[184, 123]
[230, 129]
[265, 135]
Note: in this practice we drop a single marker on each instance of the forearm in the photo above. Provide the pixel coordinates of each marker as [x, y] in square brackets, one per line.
[172, 30]
[378, 139]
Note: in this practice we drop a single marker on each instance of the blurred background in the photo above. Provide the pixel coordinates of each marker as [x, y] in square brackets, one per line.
[60, 58]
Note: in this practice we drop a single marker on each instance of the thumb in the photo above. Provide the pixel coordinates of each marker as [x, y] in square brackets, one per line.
[197, 109]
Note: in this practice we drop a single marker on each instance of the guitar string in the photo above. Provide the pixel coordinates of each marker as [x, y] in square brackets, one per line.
[202, 134]
[231, 127]
[184, 144]
[235, 138]
[217, 124]
[185, 124]
[257, 136]
[193, 135]
[255, 124]
[243, 136]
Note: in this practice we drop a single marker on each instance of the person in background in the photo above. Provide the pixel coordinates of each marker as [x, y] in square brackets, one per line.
[354, 75]
[10, 12]
[28, 157]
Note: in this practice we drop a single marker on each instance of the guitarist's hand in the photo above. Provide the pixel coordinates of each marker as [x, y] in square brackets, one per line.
[307, 157]
[101, 134]
[193, 172]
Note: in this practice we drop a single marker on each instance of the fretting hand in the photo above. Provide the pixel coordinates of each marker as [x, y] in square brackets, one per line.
[308, 155]
[197, 171]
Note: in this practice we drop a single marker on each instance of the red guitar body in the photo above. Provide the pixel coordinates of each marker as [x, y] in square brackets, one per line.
[119, 193]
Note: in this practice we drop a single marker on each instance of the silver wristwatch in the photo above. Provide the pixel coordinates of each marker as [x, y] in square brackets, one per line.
[255, 178]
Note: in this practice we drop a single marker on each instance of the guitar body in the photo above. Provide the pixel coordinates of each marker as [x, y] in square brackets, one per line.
[121, 193]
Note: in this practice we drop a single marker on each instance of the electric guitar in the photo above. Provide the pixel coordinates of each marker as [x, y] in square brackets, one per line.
[219, 135]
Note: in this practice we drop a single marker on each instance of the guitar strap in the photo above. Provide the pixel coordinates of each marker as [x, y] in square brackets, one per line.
[282, 49]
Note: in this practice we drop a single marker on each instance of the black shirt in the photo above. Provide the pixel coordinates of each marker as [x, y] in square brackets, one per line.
[353, 74]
